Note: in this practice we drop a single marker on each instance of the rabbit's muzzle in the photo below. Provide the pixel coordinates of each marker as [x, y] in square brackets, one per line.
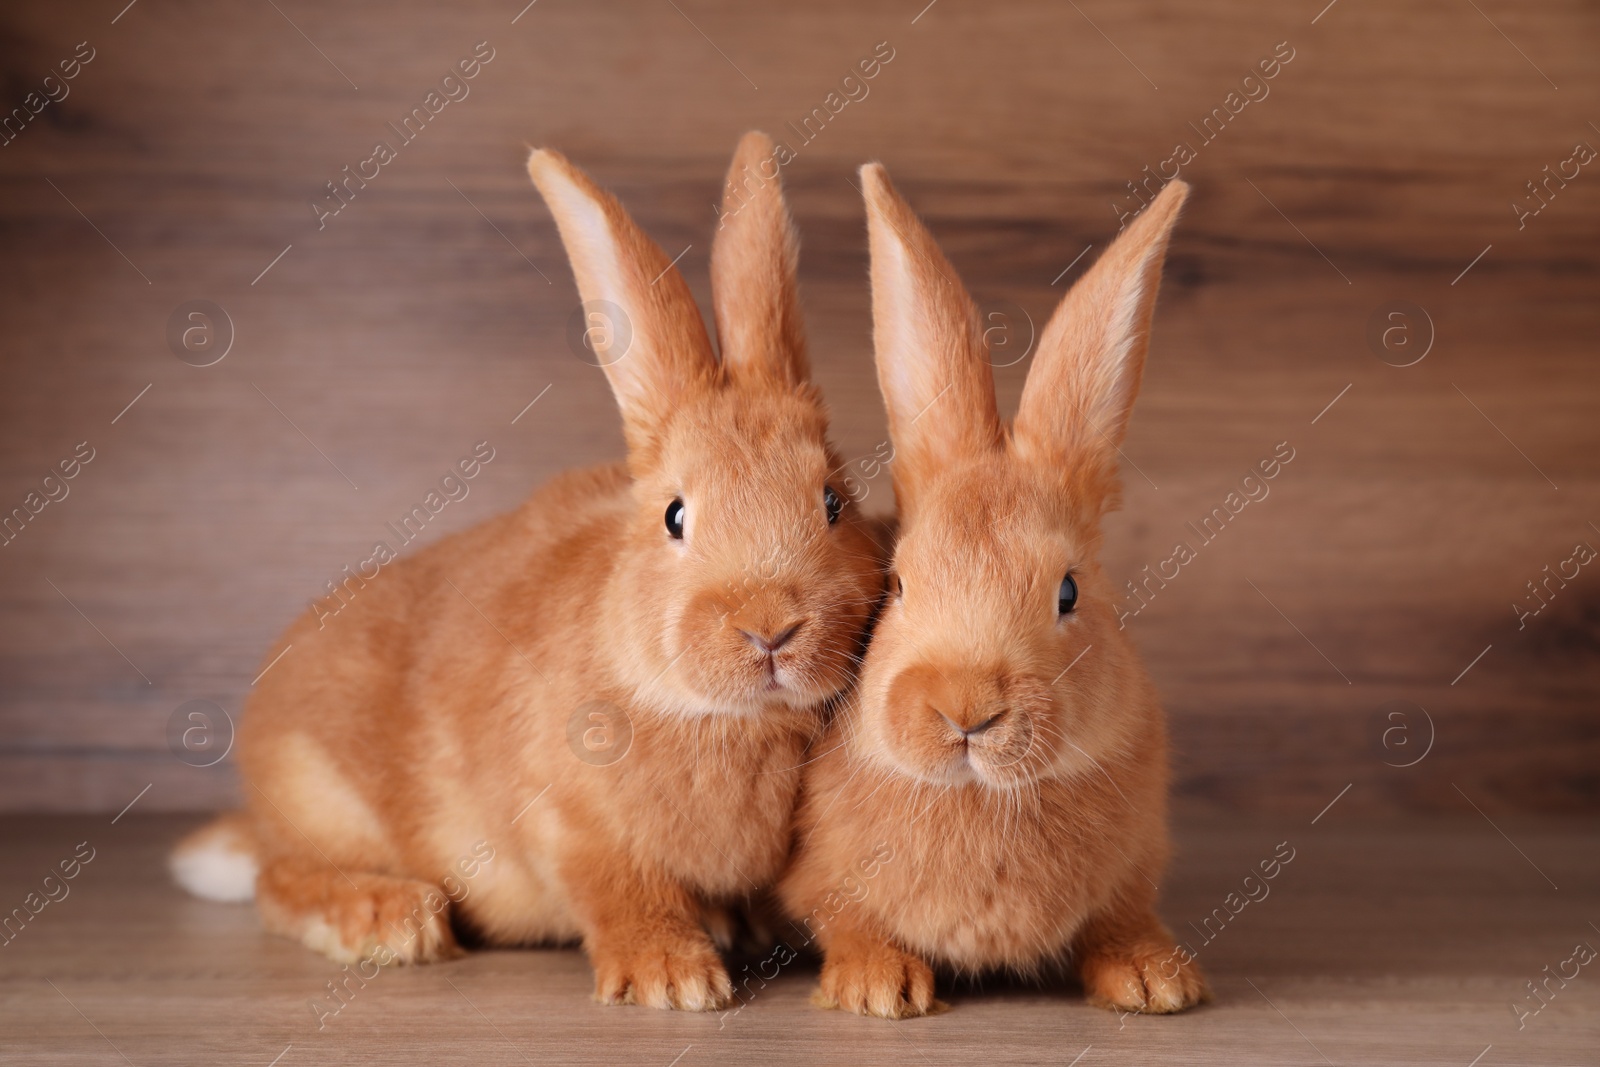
[968, 723]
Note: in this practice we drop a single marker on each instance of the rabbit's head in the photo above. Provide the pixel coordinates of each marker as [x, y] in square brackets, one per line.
[746, 579]
[998, 659]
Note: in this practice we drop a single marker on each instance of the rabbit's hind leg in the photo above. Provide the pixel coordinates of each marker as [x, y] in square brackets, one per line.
[355, 915]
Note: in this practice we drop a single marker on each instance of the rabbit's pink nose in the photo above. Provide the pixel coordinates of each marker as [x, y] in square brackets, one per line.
[976, 728]
[776, 641]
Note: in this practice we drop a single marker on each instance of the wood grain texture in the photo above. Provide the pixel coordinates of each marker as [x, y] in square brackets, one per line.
[1402, 944]
[424, 317]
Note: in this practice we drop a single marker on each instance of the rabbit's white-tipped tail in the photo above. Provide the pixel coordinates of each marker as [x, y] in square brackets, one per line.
[217, 861]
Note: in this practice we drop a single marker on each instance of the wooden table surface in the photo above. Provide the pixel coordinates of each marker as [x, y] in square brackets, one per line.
[1396, 942]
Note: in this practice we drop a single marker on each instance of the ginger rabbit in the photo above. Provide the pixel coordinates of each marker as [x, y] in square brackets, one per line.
[1002, 767]
[688, 612]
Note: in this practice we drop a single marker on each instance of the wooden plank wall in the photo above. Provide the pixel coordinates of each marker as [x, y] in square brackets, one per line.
[1377, 165]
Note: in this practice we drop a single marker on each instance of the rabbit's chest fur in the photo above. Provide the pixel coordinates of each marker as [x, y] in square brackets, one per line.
[713, 804]
[977, 879]
[997, 881]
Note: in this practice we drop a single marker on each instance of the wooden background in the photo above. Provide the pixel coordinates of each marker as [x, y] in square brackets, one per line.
[428, 313]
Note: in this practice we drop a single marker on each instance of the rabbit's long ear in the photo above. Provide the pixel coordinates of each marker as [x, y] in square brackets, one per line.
[754, 266]
[1080, 391]
[932, 370]
[640, 319]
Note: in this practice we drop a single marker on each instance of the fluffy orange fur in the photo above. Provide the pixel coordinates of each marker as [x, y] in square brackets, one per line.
[430, 722]
[1011, 759]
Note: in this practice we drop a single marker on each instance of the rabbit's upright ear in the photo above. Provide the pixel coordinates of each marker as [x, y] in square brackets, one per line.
[755, 257]
[1080, 391]
[640, 320]
[932, 370]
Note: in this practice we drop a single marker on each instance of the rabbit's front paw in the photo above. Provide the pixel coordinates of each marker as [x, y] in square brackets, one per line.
[672, 972]
[872, 978]
[1158, 979]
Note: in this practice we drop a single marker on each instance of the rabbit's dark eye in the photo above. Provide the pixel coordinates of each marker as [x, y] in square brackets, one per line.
[1067, 598]
[833, 502]
[895, 585]
[675, 519]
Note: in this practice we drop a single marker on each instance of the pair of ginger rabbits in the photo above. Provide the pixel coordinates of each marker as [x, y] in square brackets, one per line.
[980, 786]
